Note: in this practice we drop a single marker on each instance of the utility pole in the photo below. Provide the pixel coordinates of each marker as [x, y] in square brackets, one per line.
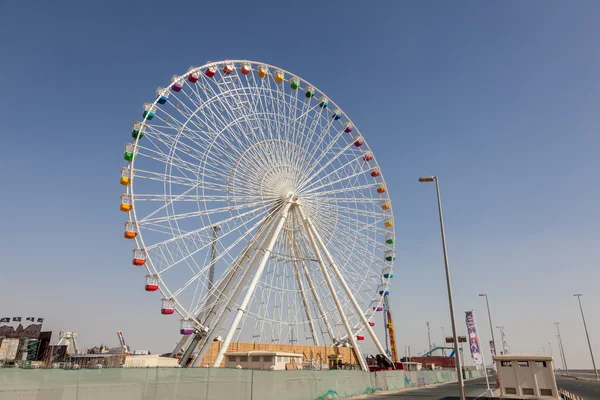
[562, 360]
[578, 295]
[213, 255]
[562, 349]
[459, 370]
[429, 335]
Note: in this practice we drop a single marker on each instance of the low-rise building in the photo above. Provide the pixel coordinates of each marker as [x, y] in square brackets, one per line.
[525, 376]
[268, 360]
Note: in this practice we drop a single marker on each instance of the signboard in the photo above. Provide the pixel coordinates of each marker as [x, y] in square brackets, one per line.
[461, 339]
[8, 349]
[473, 338]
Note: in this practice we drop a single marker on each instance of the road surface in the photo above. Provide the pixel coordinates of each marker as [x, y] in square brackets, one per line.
[589, 390]
[474, 389]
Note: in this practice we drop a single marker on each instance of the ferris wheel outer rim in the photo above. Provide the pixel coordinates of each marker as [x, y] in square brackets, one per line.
[149, 265]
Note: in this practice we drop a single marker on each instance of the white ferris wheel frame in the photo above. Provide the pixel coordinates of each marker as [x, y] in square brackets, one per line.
[327, 263]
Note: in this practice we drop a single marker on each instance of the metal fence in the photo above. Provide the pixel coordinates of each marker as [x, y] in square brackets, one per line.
[206, 383]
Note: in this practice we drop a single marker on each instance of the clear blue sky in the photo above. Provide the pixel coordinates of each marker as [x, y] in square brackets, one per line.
[500, 99]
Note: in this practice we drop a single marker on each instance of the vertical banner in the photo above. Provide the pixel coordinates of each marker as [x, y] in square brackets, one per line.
[493, 351]
[473, 338]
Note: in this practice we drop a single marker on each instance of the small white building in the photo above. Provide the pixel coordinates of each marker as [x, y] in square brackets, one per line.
[525, 376]
[269, 360]
[150, 361]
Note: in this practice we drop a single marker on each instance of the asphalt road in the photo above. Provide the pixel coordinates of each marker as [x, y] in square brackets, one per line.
[474, 388]
[589, 390]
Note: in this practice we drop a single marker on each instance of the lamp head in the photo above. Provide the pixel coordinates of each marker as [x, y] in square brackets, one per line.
[429, 178]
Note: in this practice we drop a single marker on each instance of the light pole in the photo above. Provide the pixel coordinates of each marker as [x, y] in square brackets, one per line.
[550, 347]
[490, 319]
[562, 349]
[578, 295]
[428, 335]
[505, 349]
[461, 383]
[562, 360]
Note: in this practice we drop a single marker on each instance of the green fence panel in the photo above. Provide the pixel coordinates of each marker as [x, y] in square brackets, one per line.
[207, 383]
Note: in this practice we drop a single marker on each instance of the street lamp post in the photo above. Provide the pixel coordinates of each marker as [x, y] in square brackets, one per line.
[562, 360]
[459, 374]
[562, 349]
[578, 295]
[490, 319]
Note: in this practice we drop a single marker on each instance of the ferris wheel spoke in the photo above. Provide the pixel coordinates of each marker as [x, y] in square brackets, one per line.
[344, 190]
[346, 178]
[202, 271]
[199, 213]
[373, 226]
[193, 153]
[352, 160]
[220, 99]
[248, 108]
[204, 228]
[306, 139]
[326, 152]
[334, 157]
[205, 269]
[350, 200]
[351, 211]
[189, 198]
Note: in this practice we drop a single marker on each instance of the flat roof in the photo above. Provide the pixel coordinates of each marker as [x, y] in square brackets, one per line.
[263, 353]
[522, 357]
[102, 355]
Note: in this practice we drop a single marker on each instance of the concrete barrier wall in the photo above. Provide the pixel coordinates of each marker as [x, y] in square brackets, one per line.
[207, 383]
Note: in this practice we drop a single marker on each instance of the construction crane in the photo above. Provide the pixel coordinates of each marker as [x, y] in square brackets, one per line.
[390, 336]
[68, 338]
[124, 346]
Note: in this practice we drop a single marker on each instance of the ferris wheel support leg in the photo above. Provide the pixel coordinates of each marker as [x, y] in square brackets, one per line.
[222, 290]
[311, 323]
[317, 300]
[347, 290]
[205, 317]
[235, 286]
[336, 300]
[252, 287]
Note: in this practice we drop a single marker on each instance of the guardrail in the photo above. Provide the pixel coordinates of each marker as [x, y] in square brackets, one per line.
[568, 395]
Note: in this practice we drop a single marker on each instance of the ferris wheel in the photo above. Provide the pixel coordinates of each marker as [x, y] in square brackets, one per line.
[258, 211]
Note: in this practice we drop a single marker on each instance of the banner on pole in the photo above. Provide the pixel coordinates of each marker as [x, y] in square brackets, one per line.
[473, 338]
[493, 351]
